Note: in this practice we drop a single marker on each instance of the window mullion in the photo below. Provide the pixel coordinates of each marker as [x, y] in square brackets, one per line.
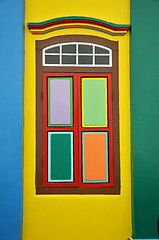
[76, 53]
[60, 54]
[93, 55]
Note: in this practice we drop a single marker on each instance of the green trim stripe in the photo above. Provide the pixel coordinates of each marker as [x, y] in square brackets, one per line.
[145, 118]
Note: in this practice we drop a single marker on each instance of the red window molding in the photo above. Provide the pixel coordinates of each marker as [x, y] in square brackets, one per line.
[77, 130]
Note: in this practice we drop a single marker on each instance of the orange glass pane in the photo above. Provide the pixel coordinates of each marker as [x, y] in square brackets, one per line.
[95, 157]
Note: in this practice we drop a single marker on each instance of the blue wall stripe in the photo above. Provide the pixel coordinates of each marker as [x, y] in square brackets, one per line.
[11, 18]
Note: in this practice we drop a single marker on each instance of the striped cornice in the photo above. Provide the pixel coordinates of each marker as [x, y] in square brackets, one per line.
[78, 22]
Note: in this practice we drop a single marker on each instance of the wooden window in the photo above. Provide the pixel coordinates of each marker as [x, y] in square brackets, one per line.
[77, 145]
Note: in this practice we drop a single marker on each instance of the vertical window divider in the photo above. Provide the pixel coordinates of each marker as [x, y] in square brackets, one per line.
[76, 53]
[93, 55]
[79, 121]
[60, 54]
[76, 128]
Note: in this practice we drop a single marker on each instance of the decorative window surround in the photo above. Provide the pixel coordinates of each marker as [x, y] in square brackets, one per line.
[110, 125]
[78, 22]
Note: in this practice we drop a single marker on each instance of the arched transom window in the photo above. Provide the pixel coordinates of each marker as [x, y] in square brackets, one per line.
[77, 54]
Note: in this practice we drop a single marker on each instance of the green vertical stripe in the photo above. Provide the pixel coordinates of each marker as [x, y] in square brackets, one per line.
[145, 117]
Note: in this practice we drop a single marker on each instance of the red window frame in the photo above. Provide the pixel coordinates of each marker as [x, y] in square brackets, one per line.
[77, 129]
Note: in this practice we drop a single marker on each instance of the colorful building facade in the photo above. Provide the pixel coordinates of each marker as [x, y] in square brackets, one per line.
[77, 158]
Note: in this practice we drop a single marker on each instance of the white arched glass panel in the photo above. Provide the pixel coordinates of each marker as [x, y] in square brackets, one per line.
[77, 54]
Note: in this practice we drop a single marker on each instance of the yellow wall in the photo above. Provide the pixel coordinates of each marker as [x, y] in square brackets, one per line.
[73, 217]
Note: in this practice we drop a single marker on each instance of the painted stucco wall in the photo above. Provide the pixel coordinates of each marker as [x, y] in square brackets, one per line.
[11, 38]
[73, 216]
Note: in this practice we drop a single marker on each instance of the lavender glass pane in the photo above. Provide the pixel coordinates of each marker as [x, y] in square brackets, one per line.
[60, 101]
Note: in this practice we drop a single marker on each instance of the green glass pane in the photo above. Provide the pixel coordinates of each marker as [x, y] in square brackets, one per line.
[94, 102]
[60, 156]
